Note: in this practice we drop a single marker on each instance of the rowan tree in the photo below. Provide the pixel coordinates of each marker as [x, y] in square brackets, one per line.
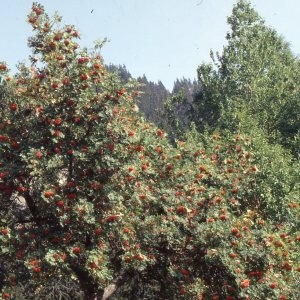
[96, 203]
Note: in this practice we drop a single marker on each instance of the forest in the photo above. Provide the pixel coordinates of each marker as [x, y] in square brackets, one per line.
[113, 187]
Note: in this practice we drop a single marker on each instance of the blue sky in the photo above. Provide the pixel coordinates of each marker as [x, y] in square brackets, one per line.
[163, 39]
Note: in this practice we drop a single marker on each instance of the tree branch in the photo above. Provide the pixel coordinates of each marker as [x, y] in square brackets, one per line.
[32, 207]
[113, 287]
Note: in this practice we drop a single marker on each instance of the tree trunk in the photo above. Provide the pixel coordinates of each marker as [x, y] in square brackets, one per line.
[86, 282]
[113, 287]
[91, 289]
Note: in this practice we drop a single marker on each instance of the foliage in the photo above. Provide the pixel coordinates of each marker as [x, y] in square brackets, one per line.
[96, 202]
[253, 82]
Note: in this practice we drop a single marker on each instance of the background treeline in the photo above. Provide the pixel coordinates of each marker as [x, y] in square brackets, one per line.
[173, 110]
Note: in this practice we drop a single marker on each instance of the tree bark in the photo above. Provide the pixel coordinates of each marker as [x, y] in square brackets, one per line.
[115, 285]
[32, 207]
[91, 289]
[86, 282]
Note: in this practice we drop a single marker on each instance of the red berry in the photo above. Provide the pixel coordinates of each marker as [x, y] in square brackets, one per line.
[54, 85]
[98, 231]
[37, 270]
[84, 76]
[37, 10]
[93, 265]
[5, 295]
[245, 283]
[278, 244]
[169, 167]
[139, 148]
[126, 230]
[38, 154]
[69, 29]
[235, 191]
[131, 133]
[75, 34]
[71, 196]
[138, 257]
[3, 138]
[130, 169]
[60, 203]
[70, 184]
[56, 150]
[96, 66]
[3, 67]
[57, 37]
[223, 217]
[232, 255]
[48, 194]
[121, 92]
[57, 122]
[111, 218]
[181, 209]
[234, 230]
[82, 60]
[211, 220]
[185, 272]
[160, 133]
[15, 145]
[13, 106]
[66, 81]
[273, 285]
[4, 231]
[76, 250]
